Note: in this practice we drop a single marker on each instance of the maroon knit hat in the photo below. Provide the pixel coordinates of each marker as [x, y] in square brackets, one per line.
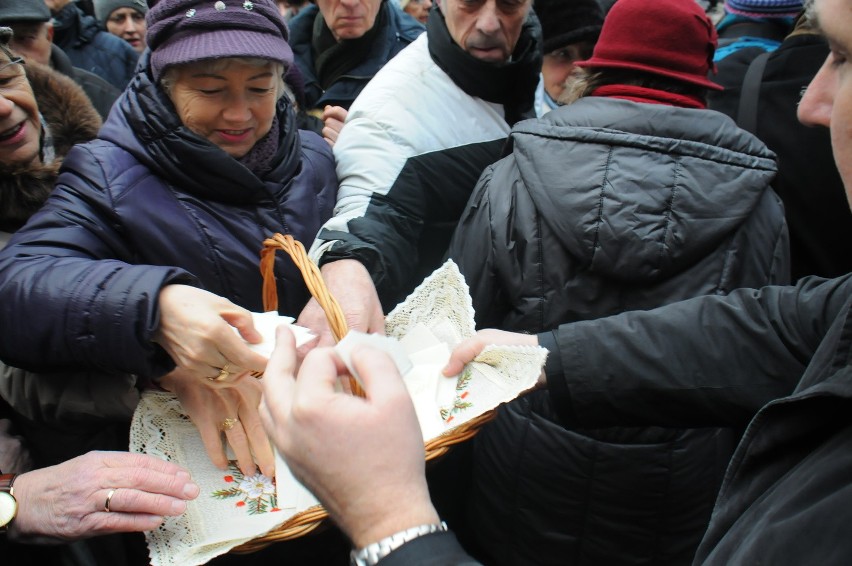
[672, 38]
[184, 31]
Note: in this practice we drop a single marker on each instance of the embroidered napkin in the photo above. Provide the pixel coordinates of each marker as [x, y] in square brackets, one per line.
[421, 333]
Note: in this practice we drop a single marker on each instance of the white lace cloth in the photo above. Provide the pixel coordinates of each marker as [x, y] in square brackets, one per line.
[423, 330]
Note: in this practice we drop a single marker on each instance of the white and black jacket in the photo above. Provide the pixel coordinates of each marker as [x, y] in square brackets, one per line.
[413, 147]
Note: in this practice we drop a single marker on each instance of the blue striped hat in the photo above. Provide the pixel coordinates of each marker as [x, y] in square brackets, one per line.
[764, 8]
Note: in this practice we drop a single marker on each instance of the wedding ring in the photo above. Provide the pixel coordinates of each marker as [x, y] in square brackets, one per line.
[108, 499]
[223, 373]
[228, 424]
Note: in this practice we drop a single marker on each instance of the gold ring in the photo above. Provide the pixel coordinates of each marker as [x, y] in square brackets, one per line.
[223, 373]
[108, 499]
[228, 424]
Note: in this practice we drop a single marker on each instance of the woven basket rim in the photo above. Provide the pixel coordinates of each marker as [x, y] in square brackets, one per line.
[307, 521]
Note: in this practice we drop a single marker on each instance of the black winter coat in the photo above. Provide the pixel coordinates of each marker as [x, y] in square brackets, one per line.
[778, 360]
[92, 48]
[609, 205]
[147, 204]
[400, 31]
[808, 181]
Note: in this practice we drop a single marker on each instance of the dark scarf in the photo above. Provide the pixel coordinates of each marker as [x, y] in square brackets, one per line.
[649, 96]
[261, 157]
[511, 84]
[332, 58]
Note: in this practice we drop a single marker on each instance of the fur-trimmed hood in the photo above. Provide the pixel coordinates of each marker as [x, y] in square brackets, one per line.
[71, 119]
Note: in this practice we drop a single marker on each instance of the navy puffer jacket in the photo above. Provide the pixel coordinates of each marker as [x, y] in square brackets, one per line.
[147, 204]
[400, 31]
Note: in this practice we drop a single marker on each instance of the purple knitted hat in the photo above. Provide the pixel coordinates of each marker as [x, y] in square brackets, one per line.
[184, 31]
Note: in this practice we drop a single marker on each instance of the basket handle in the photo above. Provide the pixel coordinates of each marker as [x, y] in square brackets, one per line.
[313, 280]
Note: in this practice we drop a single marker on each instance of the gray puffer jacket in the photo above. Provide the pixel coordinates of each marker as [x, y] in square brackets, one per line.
[609, 205]
[603, 206]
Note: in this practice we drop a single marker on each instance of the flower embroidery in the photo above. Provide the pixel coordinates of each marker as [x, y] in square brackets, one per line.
[257, 493]
[248, 5]
[459, 404]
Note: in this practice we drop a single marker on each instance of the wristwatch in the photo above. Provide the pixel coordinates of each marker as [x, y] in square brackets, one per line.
[8, 503]
[372, 553]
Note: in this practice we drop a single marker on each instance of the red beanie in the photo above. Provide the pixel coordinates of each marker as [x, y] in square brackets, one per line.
[672, 38]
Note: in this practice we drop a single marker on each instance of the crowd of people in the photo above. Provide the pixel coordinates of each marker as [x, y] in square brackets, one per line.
[618, 183]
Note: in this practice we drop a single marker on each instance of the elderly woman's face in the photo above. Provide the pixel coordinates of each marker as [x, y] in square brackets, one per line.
[20, 128]
[233, 107]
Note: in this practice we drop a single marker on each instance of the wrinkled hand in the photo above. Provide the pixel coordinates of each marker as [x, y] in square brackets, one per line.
[468, 349]
[14, 457]
[349, 282]
[66, 502]
[333, 118]
[363, 458]
[208, 404]
[196, 331]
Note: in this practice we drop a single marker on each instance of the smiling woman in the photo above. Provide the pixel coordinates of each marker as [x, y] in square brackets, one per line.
[150, 240]
[230, 102]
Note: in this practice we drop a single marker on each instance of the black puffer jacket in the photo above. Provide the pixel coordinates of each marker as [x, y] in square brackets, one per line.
[603, 206]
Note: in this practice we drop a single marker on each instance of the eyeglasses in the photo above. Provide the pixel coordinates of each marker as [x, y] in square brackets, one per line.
[12, 61]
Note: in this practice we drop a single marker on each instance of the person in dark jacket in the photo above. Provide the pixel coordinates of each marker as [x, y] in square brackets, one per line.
[569, 31]
[339, 47]
[776, 360]
[56, 416]
[808, 181]
[90, 47]
[150, 242]
[33, 40]
[603, 206]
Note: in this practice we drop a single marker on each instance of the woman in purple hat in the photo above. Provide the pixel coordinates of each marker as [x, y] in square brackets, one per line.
[144, 259]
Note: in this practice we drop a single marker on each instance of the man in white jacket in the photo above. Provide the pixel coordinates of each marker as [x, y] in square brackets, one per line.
[414, 145]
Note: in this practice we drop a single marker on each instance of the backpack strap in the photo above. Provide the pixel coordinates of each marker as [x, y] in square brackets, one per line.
[747, 111]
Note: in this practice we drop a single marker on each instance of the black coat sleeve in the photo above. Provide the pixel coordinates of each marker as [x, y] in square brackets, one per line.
[708, 361]
[438, 549]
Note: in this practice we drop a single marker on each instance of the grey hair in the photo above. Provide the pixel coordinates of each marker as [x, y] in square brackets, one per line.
[169, 77]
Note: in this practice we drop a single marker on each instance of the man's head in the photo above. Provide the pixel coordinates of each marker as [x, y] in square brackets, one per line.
[124, 18]
[828, 99]
[487, 29]
[33, 31]
[349, 19]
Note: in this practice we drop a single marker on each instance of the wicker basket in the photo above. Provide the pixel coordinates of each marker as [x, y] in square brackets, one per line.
[306, 521]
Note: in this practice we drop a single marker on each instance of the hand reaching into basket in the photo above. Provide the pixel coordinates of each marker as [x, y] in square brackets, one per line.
[197, 331]
[340, 445]
[232, 409]
[468, 349]
[350, 283]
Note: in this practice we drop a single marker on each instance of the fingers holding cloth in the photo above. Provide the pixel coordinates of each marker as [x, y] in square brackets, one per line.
[339, 445]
